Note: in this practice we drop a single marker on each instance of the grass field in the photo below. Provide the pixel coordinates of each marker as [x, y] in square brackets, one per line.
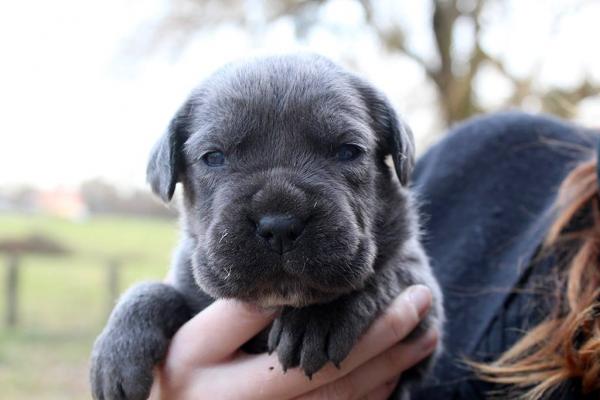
[64, 301]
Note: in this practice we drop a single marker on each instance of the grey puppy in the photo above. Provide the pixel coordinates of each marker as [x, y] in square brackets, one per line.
[287, 202]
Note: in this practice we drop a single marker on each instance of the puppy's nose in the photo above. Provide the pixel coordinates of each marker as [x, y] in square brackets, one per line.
[280, 231]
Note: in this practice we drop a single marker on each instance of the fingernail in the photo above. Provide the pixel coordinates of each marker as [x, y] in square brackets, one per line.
[420, 296]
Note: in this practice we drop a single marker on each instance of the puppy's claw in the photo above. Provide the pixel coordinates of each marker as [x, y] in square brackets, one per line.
[309, 339]
[274, 336]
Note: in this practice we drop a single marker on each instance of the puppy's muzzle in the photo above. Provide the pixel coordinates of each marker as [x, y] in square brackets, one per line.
[280, 231]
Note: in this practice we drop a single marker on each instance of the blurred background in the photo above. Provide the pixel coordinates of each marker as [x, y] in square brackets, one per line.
[86, 87]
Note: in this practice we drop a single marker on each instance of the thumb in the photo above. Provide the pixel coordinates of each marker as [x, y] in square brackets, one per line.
[218, 331]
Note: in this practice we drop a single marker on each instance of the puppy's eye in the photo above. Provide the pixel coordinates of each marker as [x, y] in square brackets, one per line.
[348, 152]
[214, 158]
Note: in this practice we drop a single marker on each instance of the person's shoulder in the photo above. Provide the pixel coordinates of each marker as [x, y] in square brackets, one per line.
[515, 138]
[517, 127]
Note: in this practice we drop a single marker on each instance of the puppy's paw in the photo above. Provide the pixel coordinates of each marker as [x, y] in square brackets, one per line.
[122, 365]
[309, 337]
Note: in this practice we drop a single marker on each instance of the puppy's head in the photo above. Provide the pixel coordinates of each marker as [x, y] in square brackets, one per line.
[282, 164]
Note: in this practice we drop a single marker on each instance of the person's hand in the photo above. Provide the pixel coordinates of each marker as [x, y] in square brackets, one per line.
[204, 360]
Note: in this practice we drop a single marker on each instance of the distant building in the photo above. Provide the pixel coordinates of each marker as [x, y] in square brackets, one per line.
[62, 203]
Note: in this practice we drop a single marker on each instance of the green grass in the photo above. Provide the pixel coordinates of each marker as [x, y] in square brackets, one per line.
[64, 301]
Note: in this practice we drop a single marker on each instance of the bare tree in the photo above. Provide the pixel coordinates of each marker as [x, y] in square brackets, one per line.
[455, 86]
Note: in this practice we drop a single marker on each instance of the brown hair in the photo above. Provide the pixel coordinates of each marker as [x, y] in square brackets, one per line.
[567, 344]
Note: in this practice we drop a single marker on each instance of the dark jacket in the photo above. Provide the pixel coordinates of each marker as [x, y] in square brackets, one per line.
[487, 192]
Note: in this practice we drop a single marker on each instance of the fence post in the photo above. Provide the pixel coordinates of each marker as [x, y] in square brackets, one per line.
[114, 267]
[12, 284]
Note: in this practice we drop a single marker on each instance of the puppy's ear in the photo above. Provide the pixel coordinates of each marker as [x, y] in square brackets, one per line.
[394, 132]
[402, 146]
[166, 160]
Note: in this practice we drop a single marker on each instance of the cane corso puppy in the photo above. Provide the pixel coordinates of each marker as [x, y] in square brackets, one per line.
[288, 202]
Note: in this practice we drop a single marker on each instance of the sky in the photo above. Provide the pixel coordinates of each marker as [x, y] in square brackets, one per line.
[79, 101]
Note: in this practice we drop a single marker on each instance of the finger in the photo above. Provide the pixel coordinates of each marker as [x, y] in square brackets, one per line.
[369, 378]
[400, 319]
[383, 392]
[346, 390]
[388, 365]
[266, 377]
[217, 332]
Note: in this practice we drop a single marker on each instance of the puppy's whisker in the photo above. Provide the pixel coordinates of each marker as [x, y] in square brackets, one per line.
[228, 271]
[223, 236]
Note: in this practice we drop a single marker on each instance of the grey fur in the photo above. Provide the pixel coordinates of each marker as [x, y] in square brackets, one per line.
[279, 122]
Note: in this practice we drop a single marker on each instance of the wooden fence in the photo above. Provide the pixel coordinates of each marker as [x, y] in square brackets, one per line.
[16, 250]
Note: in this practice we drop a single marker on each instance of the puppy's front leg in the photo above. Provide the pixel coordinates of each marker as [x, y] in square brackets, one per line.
[311, 336]
[135, 339]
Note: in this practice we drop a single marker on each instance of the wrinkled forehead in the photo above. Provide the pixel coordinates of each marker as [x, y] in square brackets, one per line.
[293, 104]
